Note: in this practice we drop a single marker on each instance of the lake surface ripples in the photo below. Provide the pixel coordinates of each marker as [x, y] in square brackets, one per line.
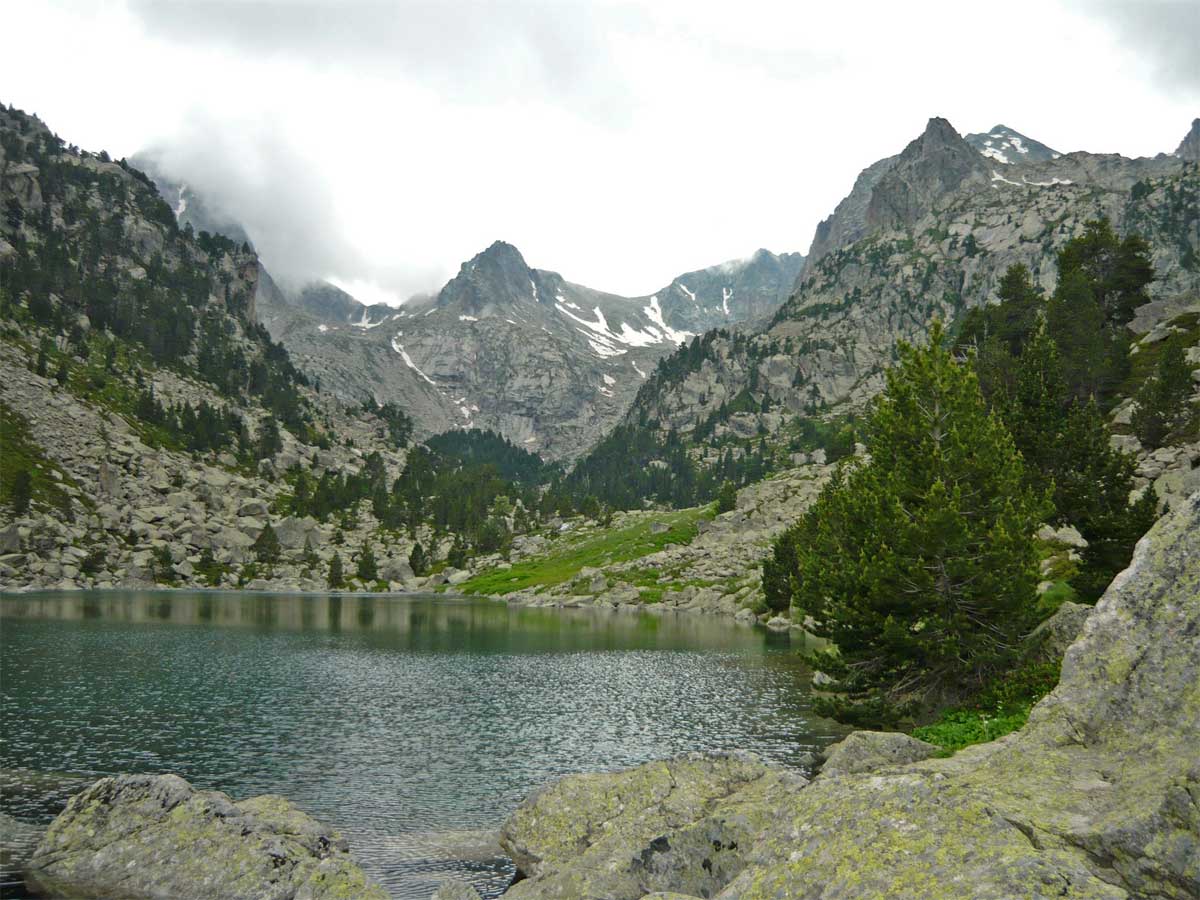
[403, 722]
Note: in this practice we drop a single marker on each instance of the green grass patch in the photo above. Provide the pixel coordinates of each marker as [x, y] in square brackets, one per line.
[999, 709]
[19, 453]
[1058, 594]
[564, 560]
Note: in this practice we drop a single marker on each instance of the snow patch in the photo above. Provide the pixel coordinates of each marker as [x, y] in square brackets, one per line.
[726, 293]
[654, 312]
[565, 302]
[365, 322]
[609, 380]
[683, 287]
[322, 328]
[993, 153]
[535, 293]
[399, 348]
[639, 371]
[181, 206]
[467, 319]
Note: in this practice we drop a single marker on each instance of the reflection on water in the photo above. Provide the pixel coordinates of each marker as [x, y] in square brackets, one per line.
[394, 719]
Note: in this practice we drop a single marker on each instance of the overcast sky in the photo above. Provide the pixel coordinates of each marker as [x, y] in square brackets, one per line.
[383, 143]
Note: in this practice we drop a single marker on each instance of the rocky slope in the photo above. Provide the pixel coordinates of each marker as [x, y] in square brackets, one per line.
[549, 364]
[109, 313]
[1096, 797]
[928, 233]
[717, 572]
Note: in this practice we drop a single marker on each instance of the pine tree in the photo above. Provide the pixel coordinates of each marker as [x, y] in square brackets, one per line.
[920, 565]
[727, 498]
[266, 546]
[1162, 400]
[367, 569]
[21, 492]
[336, 578]
[417, 561]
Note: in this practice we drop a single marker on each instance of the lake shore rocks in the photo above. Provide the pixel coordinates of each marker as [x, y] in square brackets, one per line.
[1097, 797]
[155, 836]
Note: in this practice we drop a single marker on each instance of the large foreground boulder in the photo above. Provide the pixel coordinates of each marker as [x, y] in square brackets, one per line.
[683, 824]
[155, 836]
[1097, 797]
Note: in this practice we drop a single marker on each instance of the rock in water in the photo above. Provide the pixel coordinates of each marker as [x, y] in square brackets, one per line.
[155, 836]
[1097, 797]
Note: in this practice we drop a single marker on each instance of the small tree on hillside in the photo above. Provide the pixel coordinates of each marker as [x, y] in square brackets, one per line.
[367, 569]
[417, 561]
[726, 497]
[1162, 401]
[266, 546]
[337, 577]
[21, 492]
[920, 566]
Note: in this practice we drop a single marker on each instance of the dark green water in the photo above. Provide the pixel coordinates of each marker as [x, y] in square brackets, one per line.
[395, 720]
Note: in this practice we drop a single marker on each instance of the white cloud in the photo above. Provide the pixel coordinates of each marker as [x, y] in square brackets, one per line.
[620, 145]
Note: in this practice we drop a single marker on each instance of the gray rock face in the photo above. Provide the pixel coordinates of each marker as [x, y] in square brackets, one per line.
[1051, 639]
[930, 167]
[865, 751]
[1189, 147]
[1095, 798]
[147, 836]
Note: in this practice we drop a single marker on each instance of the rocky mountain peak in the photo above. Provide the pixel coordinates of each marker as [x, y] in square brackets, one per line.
[1189, 147]
[1007, 146]
[931, 166]
[492, 280]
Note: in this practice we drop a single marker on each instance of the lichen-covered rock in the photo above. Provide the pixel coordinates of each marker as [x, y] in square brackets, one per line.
[155, 836]
[865, 751]
[1098, 797]
[454, 890]
[682, 824]
[1050, 640]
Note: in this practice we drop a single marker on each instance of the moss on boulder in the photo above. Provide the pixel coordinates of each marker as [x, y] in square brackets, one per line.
[155, 836]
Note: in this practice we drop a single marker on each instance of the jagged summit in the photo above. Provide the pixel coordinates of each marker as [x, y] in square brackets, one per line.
[497, 278]
[1189, 147]
[934, 164]
[1007, 146]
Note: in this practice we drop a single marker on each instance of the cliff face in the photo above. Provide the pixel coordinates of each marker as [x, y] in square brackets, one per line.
[1097, 797]
[928, 234]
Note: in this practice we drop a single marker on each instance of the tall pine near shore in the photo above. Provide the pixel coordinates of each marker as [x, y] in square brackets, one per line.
[919, 566]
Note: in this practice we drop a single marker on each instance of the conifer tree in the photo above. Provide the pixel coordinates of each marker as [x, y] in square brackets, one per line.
[266, 546]
[21, 492]
[416, 560]
[367, 568]
[1162, 400]
[727, 498]
[920, 566]
[336, 577]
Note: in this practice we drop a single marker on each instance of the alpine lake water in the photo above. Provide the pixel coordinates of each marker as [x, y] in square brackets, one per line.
[411, 724]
